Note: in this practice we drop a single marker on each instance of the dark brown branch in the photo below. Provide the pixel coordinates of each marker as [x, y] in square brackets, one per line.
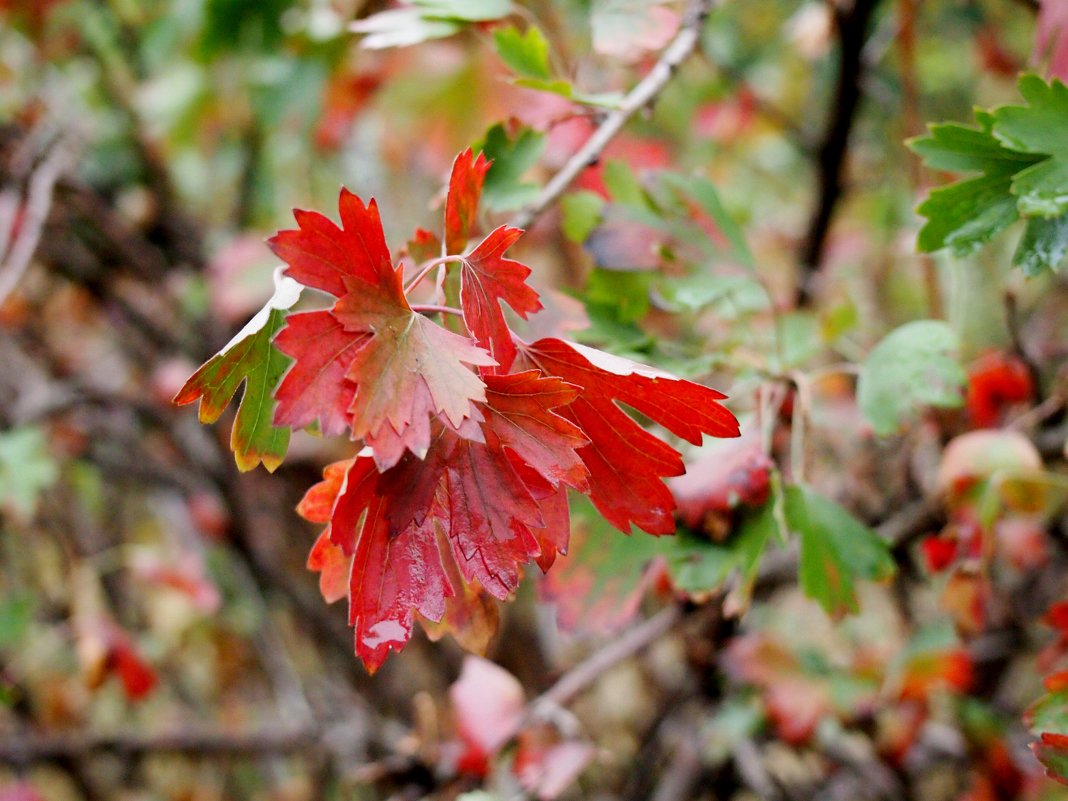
[851, 24]
[23, 749]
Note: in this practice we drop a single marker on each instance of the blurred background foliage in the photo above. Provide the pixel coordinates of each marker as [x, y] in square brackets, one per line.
[159, 636]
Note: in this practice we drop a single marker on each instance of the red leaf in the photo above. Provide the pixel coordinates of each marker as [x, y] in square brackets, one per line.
[409, 369]
[928, 671]
[315, 386]
[492, 516]
[461, 205]
[488, 703]
[471, 617]
[423, 246]
[552, 503]
[330, 562]
[467, 510]
[321, 255]
[995, 382]
[137, 676]
[1057, 617]
[519, 415]
[391, 576]
[487, 278]
[318, 502]
[626, 463]
[938, 553]
[546, 765]
[725, 478]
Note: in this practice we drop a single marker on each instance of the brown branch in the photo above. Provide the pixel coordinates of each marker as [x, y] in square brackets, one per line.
[643, 93]
[851, 24]
[38, 205]
[589, 670]
[679, 779]
[24, 748]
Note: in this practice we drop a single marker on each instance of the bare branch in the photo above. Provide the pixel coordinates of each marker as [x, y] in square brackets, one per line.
[38, 205]
[23, 749]
[589, 670]
[681, 47]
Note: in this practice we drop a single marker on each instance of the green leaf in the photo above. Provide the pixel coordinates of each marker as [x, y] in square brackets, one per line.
[504, 188]
[1050, 713]
[581, 213]
[627, 293]
[554, 86]
[623, 185]
[836, 550]
[526, 54]
[232, 24]
[1044, 245]
[698, 565]
[26, 470]
[725, 293]
[913, 366]
[16, 611]
[1040, 128]
[252, 359]
[704, 192]
[966, 215]
[963, 148]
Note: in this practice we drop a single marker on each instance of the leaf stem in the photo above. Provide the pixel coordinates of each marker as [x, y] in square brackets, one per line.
[431, 308]
[427, 268]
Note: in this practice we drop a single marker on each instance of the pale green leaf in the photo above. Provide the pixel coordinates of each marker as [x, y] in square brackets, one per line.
[914, 366]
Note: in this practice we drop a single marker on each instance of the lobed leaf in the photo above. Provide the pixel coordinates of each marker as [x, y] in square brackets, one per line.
[627, 463]
[461, 203]
[250, 359]
[526, 54]
[836, 550]
[487, 278]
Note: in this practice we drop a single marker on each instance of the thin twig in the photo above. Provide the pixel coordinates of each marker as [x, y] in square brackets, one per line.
[38, 205]
[682, 773]
[589, 670]
[23, 749]
[683, 45]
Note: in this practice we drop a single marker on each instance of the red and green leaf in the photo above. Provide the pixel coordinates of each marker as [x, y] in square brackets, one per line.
[1048, 719]
[250, 359]
[471, 438]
